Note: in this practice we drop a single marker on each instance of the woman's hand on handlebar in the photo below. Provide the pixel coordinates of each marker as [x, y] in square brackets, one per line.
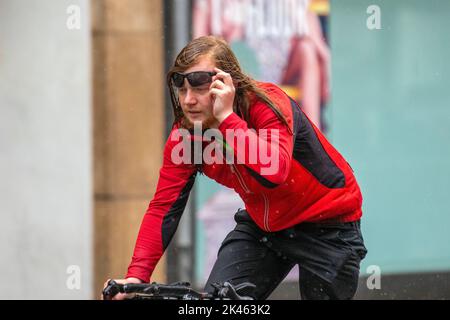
[122, 296]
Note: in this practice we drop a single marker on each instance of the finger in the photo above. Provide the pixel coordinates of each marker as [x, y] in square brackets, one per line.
[106, 283]
[217, 84]
[216, 92]
[223, 75]
[122, 296]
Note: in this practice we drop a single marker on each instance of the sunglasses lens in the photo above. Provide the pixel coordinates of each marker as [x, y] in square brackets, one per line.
[195, 79]
[199, 78]
[178, 79]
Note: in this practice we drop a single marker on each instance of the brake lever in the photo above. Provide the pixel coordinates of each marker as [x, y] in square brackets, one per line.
[227, 290]
[245, 289]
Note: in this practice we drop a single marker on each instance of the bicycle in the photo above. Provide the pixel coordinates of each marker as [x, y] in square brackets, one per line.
[178, 291]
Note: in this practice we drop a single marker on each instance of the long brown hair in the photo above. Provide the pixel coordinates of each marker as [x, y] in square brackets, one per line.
[224, 58]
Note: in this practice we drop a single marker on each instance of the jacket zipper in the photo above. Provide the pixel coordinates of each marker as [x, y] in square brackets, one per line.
[247, 190]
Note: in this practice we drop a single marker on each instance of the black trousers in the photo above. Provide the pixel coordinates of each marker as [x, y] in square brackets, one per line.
[328, 256]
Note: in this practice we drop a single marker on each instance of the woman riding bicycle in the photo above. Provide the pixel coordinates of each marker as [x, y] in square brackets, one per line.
[303, 207]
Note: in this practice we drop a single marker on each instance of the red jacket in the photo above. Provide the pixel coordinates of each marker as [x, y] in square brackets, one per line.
[312, 183]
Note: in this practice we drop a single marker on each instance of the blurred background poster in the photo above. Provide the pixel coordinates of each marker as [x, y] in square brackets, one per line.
[282, 42]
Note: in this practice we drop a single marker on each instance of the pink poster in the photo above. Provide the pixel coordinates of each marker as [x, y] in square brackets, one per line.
[275, 41]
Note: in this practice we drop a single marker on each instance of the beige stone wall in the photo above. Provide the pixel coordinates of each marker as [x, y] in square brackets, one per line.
[128, 103]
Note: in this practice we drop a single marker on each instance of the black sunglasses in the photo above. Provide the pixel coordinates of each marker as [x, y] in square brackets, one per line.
[195, 79]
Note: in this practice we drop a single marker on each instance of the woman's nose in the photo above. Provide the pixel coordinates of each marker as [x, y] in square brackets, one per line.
[190, 97]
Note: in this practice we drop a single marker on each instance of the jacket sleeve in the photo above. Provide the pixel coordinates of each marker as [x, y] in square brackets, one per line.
[266, 151]
[163, 214]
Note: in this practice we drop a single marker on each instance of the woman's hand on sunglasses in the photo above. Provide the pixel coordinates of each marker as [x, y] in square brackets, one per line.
[223, 91]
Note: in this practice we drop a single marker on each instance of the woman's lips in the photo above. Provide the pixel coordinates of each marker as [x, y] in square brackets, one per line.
[194, 113]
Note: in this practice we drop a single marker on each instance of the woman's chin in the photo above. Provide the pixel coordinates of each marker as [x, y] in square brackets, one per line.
[202, 122]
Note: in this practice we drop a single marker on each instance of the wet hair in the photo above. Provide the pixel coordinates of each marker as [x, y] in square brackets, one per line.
[220, 52]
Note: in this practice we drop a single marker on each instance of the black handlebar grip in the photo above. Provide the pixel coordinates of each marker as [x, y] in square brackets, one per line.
[111, 290]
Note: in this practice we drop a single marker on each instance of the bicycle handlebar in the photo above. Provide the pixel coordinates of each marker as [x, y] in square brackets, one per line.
[179, 291]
